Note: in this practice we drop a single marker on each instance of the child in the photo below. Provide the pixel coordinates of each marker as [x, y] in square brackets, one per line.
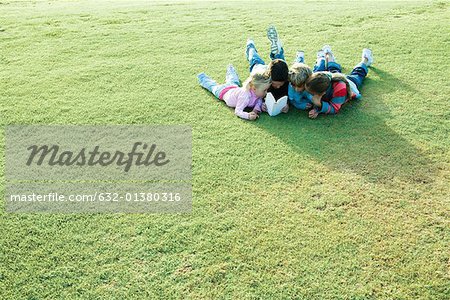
[332, 89]
[249, 95]
[277, 68]
[298, 74]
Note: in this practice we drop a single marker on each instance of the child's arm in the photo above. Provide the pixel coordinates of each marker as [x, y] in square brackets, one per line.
[300, 100]
[303, 104]
[306, 100]
[334, 105]
[258, 106]
[242, 103]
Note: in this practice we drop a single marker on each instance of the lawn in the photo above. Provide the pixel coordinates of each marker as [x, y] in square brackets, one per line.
[352, 206]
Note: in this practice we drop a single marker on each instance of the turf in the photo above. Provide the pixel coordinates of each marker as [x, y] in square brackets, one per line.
[352, 206]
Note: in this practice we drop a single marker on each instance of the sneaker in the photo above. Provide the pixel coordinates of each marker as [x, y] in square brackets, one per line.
[232, 76]
[320, 55]
[275, 43]
[300, 56]
[201, 77]
[327, 50]
[231, 70]
[367, 53]
[250, 44]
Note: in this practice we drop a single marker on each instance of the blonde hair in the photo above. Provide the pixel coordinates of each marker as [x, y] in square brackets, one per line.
[258, 80]
[299, 73]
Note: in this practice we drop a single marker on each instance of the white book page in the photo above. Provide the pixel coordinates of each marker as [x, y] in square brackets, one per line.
[274, 107]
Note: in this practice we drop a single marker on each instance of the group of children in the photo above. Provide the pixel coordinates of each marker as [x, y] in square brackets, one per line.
[322, 90]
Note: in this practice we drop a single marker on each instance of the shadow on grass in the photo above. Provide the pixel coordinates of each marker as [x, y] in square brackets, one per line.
[388, 82]
[355, 140]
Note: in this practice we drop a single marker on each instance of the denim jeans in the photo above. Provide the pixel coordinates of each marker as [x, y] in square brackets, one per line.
[358, 74]
[254, 58]
[332, 67]
[356, 77]
[215, 88]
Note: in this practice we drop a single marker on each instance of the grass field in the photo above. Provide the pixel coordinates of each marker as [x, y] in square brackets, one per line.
[352, 206]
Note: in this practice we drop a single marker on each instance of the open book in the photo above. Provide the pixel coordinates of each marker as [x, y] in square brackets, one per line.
[274, 107]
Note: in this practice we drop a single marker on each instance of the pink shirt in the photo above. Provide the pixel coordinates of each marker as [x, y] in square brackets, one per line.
[239, 98]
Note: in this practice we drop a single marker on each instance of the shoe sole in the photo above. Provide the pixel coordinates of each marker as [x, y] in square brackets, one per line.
[272, 35]
[369, 58]
[231, 70]
[247, 48]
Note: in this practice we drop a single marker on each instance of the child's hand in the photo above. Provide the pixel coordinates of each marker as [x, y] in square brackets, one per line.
[313, 113]
[264, 107]
[253, 116]
[308, 105]
[285, 109]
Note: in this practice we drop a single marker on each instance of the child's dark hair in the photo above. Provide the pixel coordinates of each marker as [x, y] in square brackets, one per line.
[278, 70]
[319, 82]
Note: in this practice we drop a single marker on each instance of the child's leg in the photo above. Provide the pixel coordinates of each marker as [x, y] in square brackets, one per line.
[319, 66]
[320, 62]
[334, 67]
[252, 55]
[358, 74]
[300, 57]
[210, 84]
[322, 65]
[232, 76]
[331, 64]
[276, 47]
[279, 55]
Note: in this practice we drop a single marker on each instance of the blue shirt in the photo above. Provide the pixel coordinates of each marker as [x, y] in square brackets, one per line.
[299, 99]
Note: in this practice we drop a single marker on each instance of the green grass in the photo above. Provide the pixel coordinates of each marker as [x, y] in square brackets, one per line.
[353, 206]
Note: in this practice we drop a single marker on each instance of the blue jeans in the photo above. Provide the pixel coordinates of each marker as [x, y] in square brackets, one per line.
[357, 75]
[332, 67]
[211, 85]
[254, 58]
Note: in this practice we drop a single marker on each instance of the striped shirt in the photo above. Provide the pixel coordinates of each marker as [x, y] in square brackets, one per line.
[334, 98]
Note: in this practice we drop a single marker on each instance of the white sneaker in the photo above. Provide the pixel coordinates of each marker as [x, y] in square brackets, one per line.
[300, 56]
[367, 53]
[320, 54]
[250, 44]
[327, 50]
[232, 76]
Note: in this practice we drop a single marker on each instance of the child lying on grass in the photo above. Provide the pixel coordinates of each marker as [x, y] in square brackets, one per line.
[248, 96]
[331, 89]
[298, 74]
[277, 68]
